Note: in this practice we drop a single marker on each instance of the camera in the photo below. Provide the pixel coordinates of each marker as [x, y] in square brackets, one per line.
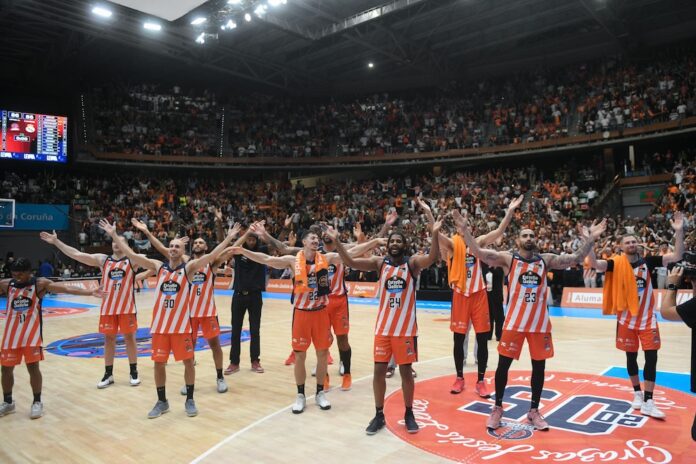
[688, 262]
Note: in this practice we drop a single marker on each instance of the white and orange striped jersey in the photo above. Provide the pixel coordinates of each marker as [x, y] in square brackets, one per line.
[310, 300]
[23, 324]
[337, 279]
[171, 313]
[118, 281]
[202, 299]
[396, 316]
[645, 319]
[527, 290]
[474, 277]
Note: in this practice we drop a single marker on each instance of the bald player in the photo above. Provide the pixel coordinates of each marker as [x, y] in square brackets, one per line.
[527, 315]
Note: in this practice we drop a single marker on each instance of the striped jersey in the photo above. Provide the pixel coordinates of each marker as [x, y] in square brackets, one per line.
[202, 300]
[396, 315]
[171, 313]
[337, 276]
[23, 322]
[474, 277]
[310, 300]
[645, 319]
[527, 290]
[118, 281]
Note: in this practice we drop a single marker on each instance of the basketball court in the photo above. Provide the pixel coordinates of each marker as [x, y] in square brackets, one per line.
[589, 413]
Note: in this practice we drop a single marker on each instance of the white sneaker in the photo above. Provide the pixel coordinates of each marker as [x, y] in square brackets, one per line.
[299, 405]
[221, 386]
[341, 369]
[637, 400]
[36, 410]
[649, 409]
[135, 381]
[321, 400]
[7, 408]
[314, 372]
[106, 382]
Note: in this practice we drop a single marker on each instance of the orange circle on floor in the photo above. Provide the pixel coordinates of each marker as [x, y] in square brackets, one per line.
[590, 419]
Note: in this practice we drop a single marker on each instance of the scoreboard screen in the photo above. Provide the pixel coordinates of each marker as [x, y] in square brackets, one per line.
[34, 137]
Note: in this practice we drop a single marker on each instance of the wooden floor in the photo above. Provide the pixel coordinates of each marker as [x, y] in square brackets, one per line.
[253, 422]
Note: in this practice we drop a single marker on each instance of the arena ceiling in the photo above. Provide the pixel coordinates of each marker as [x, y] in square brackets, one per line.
[321, 46]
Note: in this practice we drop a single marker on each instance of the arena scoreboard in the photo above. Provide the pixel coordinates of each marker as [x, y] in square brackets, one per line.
[34, 137]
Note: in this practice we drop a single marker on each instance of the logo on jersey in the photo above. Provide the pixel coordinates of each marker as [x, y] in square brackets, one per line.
[395, 285]
[470, 260]
[92, 345]
[529, 280]
[312, 280]
[21, 303]
[198, 278]
[324, 281]
[332, 269]
[117, 274]
[641, 283]
[170, 287]
[590, 418]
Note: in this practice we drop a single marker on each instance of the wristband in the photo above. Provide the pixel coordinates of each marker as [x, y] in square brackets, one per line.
[671, 287]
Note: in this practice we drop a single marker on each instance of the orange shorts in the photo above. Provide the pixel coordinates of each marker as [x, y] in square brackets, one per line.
[472, 308]
[540, 344]
[179, 344]
[13, 357]
[631, 339]
[118, 324]
[311, 327]
[404, 349]
[210, 326]
[338, 314]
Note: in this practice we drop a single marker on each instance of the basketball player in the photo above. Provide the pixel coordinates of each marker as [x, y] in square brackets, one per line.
[396, 329]
[310, 323]
[171, 317]
[118, 314]
[470, 301]
[641, 330]
[202, 299]
[23, 334]
[527, 316]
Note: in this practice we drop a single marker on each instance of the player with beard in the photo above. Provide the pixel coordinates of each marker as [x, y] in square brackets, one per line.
[641, 329]
[396, 329]
[23, 334]
[118, 314]
[171, 316]
[527, 316]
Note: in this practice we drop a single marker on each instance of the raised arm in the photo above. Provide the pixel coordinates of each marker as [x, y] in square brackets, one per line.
[362, 248]
[259, 229]
[388, 223]
[491, 257]
[46, 285]
[678, 225]
[280, 262]
[492, 236]
[139, 260]
[563, 261]
[142, 227]
[372, 263]
[421, 262]
[219, 229]
[195, 264]
[94, 260]
[668, 309]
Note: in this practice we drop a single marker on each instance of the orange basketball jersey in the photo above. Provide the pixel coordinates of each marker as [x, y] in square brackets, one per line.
[396, 316]
[118, 281]
[23, 324]
[171, 313]
[202, 299]
[527, 289]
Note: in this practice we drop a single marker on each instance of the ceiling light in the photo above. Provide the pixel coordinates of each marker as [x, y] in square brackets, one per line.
[152, 26]
[275, 2]
[103, 12]
[247, 17]
[260, 10]
[370, 64]
[234, 2]
[198, 21]
[201, 38]
[229, 25]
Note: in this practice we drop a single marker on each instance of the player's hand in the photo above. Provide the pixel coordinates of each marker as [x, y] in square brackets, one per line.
[185, 239]
[515, 203]
[218, 215]
[109, 229]
[258, 228]
[596, 230]
[235, 250]
[99, 292]
[675, 275]
[332, 234]
[47, 237]
[391, 218]
[437, 225]
[138, 224]
[677, 221]
[234, 230]
[462, 222]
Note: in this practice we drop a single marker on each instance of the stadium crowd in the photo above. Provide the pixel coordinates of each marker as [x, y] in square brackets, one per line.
[612, 94]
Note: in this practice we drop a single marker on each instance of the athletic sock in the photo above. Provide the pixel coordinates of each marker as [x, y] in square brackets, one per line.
[408, 412]
[320, 388]
[647, 395]
[7, 397]
[134, 370]
[300, 389]
[161, 393]
[37, 397]
[481, 375]
[219, 373]
[345, 359]
[189, 392]
[108, 370]
[636, 388]
[379, 411]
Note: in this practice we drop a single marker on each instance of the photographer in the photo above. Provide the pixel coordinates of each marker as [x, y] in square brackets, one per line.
[685, 312]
